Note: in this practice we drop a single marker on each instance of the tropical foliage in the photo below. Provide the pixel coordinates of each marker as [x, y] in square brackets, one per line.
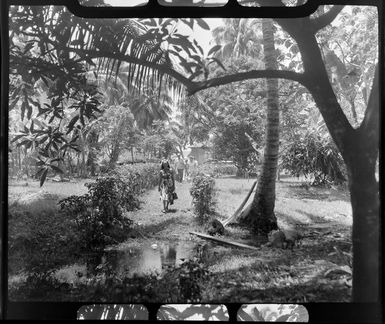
[203, 195]
[73, 47]
[98, 215]
[315, 156]
[58, 110]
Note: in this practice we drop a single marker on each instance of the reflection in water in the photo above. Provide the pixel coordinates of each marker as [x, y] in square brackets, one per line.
[167, 256]
[129, 262]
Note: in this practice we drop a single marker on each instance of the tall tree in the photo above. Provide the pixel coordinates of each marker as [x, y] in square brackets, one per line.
[241, 38]
[261, 211]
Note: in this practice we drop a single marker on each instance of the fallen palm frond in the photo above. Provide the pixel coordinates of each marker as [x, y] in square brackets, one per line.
[236, 214]
[219, 240]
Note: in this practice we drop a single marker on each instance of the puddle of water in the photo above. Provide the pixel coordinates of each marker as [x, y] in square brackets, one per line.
[131, 261]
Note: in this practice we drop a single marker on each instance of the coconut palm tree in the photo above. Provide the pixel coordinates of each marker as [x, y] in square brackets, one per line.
[238, 36]
[241, 37]
[150, 107]
[260, 213]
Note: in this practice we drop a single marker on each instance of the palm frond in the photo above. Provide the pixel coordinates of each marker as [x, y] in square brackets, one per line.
[62, 35]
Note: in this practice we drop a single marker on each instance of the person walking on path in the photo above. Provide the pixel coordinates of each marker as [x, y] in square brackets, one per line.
[186, 169]
[166, 185]
[180, 166]
[193, 167]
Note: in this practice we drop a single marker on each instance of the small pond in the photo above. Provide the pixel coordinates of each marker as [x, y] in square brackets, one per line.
[128, 262]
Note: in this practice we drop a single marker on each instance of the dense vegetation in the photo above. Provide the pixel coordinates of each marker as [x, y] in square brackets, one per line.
[44, 239]
[89, 99]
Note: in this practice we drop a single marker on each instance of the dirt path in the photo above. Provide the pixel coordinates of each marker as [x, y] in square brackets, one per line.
[174, 225]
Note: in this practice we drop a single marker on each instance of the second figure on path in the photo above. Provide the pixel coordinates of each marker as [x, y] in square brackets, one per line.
[166, 185]
[180, 166]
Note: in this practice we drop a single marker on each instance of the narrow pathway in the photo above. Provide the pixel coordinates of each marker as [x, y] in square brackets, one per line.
[174, 225]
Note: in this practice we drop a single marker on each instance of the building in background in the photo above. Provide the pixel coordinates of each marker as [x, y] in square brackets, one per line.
[200, 152]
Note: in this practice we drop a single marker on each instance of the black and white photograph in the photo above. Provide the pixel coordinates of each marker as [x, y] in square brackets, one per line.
[194, 160]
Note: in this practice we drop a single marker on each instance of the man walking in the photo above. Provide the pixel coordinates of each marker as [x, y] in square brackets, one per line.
[180, 166]
[193, 167]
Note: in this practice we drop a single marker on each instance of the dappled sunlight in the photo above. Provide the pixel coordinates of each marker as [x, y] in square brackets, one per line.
[311, 213]
[151, 162]
[232, 263]
[21, 189]
[72, 274]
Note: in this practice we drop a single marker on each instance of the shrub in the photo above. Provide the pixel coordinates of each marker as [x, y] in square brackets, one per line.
[203, 194]
[192, 274]
[38, 286]
[99, 214]
[138, 177]
[317, 157]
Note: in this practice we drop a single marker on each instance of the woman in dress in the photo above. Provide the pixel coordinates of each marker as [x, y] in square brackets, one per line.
[166, 185]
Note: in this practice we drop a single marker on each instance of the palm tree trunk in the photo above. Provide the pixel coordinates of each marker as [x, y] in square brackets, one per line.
[114, 157]
[260, 214]
[92, 139]
[132, 154]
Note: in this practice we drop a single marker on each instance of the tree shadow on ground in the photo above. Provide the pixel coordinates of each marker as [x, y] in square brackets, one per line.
[246, 284]
[309, 292]
[293, 221]
[323, 249]
[301, 190]
[319, 221]
[312, 221]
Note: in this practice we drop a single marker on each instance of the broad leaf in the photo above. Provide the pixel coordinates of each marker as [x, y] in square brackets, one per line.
[202, 23]
[214, 49]
[43, 176]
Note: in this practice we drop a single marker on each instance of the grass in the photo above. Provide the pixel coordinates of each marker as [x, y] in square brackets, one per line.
[265, 275]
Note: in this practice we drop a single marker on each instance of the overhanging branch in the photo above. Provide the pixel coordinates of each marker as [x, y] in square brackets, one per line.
[193, 87]
[326, 19]
[163, 68]
[254, 74]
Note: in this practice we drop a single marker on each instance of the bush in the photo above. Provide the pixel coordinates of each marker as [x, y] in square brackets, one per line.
[38, 286]
[317, 157]
[203, 194]
[98, 215]
[139, 177]
[192, 274]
